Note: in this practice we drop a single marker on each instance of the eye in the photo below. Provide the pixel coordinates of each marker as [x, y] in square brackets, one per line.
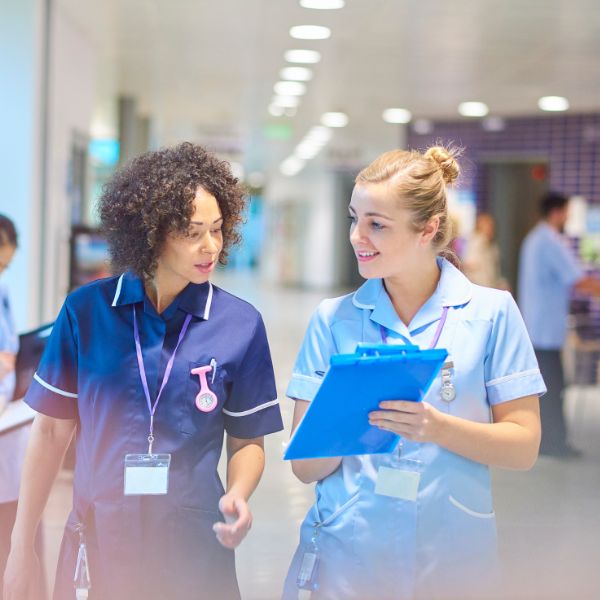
[352, 219]
[377, 226]
[216, 230]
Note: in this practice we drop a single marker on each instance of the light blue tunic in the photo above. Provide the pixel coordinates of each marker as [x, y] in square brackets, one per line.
[547, 271]
[374, 546]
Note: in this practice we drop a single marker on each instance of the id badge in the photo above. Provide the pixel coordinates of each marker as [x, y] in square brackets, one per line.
[307, 574]
[398, 483]
[146, 474]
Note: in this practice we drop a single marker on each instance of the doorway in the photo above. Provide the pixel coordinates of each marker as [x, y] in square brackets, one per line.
[513, 189]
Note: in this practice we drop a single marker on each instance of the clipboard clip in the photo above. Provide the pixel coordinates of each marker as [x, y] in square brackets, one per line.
[369, 350]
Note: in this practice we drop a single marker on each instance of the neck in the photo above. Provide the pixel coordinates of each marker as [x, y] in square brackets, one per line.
[162, 290]
[410, 289]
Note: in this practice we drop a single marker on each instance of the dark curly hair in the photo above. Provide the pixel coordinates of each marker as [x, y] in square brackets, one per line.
[152, 197]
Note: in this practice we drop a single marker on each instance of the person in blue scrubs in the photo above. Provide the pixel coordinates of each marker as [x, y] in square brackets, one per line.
[548, 273]
[154, 361]
[418, 522]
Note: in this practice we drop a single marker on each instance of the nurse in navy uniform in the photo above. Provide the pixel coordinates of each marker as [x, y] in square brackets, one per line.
[150, 370]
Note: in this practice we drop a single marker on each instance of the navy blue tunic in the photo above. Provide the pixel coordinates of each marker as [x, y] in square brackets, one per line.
[153, 546]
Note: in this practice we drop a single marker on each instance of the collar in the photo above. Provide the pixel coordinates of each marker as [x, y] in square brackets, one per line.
[453, 289]
[195, 299]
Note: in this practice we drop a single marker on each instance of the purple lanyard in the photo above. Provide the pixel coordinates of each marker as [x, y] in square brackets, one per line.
[140, 359]
[436, 335]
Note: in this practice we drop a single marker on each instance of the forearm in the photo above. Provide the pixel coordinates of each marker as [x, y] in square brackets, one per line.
[48, 443]
[508, 445]
[315, 469]
[244, 469]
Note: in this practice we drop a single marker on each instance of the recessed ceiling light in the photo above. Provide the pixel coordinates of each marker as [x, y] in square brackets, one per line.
[396, 115]
[493, 124]
[422, 126]
[307, 57]
[306, 150]
[289, 88]
[291, 166]
[473, 109]
[322, 4]
[310, 32]
[286, 101]
[296, 74]
[276, 110]
[334, 119]
[553, 103]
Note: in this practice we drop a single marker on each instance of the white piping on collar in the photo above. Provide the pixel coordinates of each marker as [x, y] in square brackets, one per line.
[118, 292]
[208, 301]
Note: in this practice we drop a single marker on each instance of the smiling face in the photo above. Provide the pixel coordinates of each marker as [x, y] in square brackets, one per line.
[382, 234]
[192, 256]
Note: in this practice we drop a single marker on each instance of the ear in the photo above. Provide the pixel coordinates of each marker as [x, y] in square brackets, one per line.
[430, 230]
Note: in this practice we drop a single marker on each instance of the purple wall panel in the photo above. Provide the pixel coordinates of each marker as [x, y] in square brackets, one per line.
[570, 144]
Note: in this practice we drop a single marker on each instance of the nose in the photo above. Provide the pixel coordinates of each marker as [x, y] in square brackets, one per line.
[355, 234]
[209, 244]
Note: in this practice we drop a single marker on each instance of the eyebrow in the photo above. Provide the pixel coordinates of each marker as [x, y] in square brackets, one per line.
[371, 214]
[201, 223]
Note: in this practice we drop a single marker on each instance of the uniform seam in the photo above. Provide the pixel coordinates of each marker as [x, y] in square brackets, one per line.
[507, 378]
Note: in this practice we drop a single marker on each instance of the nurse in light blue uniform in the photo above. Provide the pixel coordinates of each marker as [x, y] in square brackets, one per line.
[419, 522]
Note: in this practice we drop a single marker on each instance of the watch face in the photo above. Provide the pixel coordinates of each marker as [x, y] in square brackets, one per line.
[206, 402]
[448, 393]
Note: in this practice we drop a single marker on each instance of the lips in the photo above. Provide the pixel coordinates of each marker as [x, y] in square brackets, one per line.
[206, 267]
[366, 255]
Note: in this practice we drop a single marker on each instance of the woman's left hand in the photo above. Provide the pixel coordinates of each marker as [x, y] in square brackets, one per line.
[238, 521]
[415, 421]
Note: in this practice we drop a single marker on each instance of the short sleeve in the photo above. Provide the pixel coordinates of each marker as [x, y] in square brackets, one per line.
[313, 358]
[511, 369]
[563, 264]
[53, 390]
[252, 409]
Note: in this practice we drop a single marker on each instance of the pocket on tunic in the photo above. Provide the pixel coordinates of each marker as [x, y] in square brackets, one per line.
[192, 419]
[470, 511]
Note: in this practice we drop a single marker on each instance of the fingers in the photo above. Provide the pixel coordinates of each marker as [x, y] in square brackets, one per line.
[238, 521]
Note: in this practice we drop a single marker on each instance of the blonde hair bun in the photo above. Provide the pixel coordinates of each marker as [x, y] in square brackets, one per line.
[446, 161]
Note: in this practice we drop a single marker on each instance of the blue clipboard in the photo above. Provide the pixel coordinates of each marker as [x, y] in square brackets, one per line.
[337, 423]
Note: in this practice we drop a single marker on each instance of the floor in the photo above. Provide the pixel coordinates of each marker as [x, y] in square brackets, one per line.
[548, 518]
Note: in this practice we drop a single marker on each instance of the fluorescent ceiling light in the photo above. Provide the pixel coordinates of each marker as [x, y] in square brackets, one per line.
[396, 115]
[286, 101]
[334, 119]
[289, 88]
[553, 103]
[310, 32]
[306, 150]
[318, 134]
[308, 57]
[473, 109]
[422, 126]
[291, 166]
[322, 4]
[296, 74]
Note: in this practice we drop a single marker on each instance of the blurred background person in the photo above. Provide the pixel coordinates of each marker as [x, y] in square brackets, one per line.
[481, 259]
[548, 273]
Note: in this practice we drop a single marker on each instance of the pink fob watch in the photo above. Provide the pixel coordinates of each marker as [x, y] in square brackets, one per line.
[206, 400]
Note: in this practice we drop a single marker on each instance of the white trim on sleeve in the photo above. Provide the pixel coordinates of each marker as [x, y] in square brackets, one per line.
[252, 410]
[512, 376]
[52, 388]
[118, 292]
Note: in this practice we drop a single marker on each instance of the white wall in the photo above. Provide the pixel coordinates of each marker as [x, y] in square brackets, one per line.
[71, 101]
[21, 47]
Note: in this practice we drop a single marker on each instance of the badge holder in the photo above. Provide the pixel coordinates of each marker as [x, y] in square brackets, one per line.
[147, 474]
[309, 567]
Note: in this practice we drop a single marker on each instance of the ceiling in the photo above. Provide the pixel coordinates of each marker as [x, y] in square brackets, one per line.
[207, 69]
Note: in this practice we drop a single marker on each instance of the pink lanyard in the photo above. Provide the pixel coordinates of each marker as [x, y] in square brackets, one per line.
[166, 376]
[436, 335]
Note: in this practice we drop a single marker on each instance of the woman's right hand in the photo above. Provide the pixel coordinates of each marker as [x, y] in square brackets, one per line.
[21, 564]
[7, 363]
